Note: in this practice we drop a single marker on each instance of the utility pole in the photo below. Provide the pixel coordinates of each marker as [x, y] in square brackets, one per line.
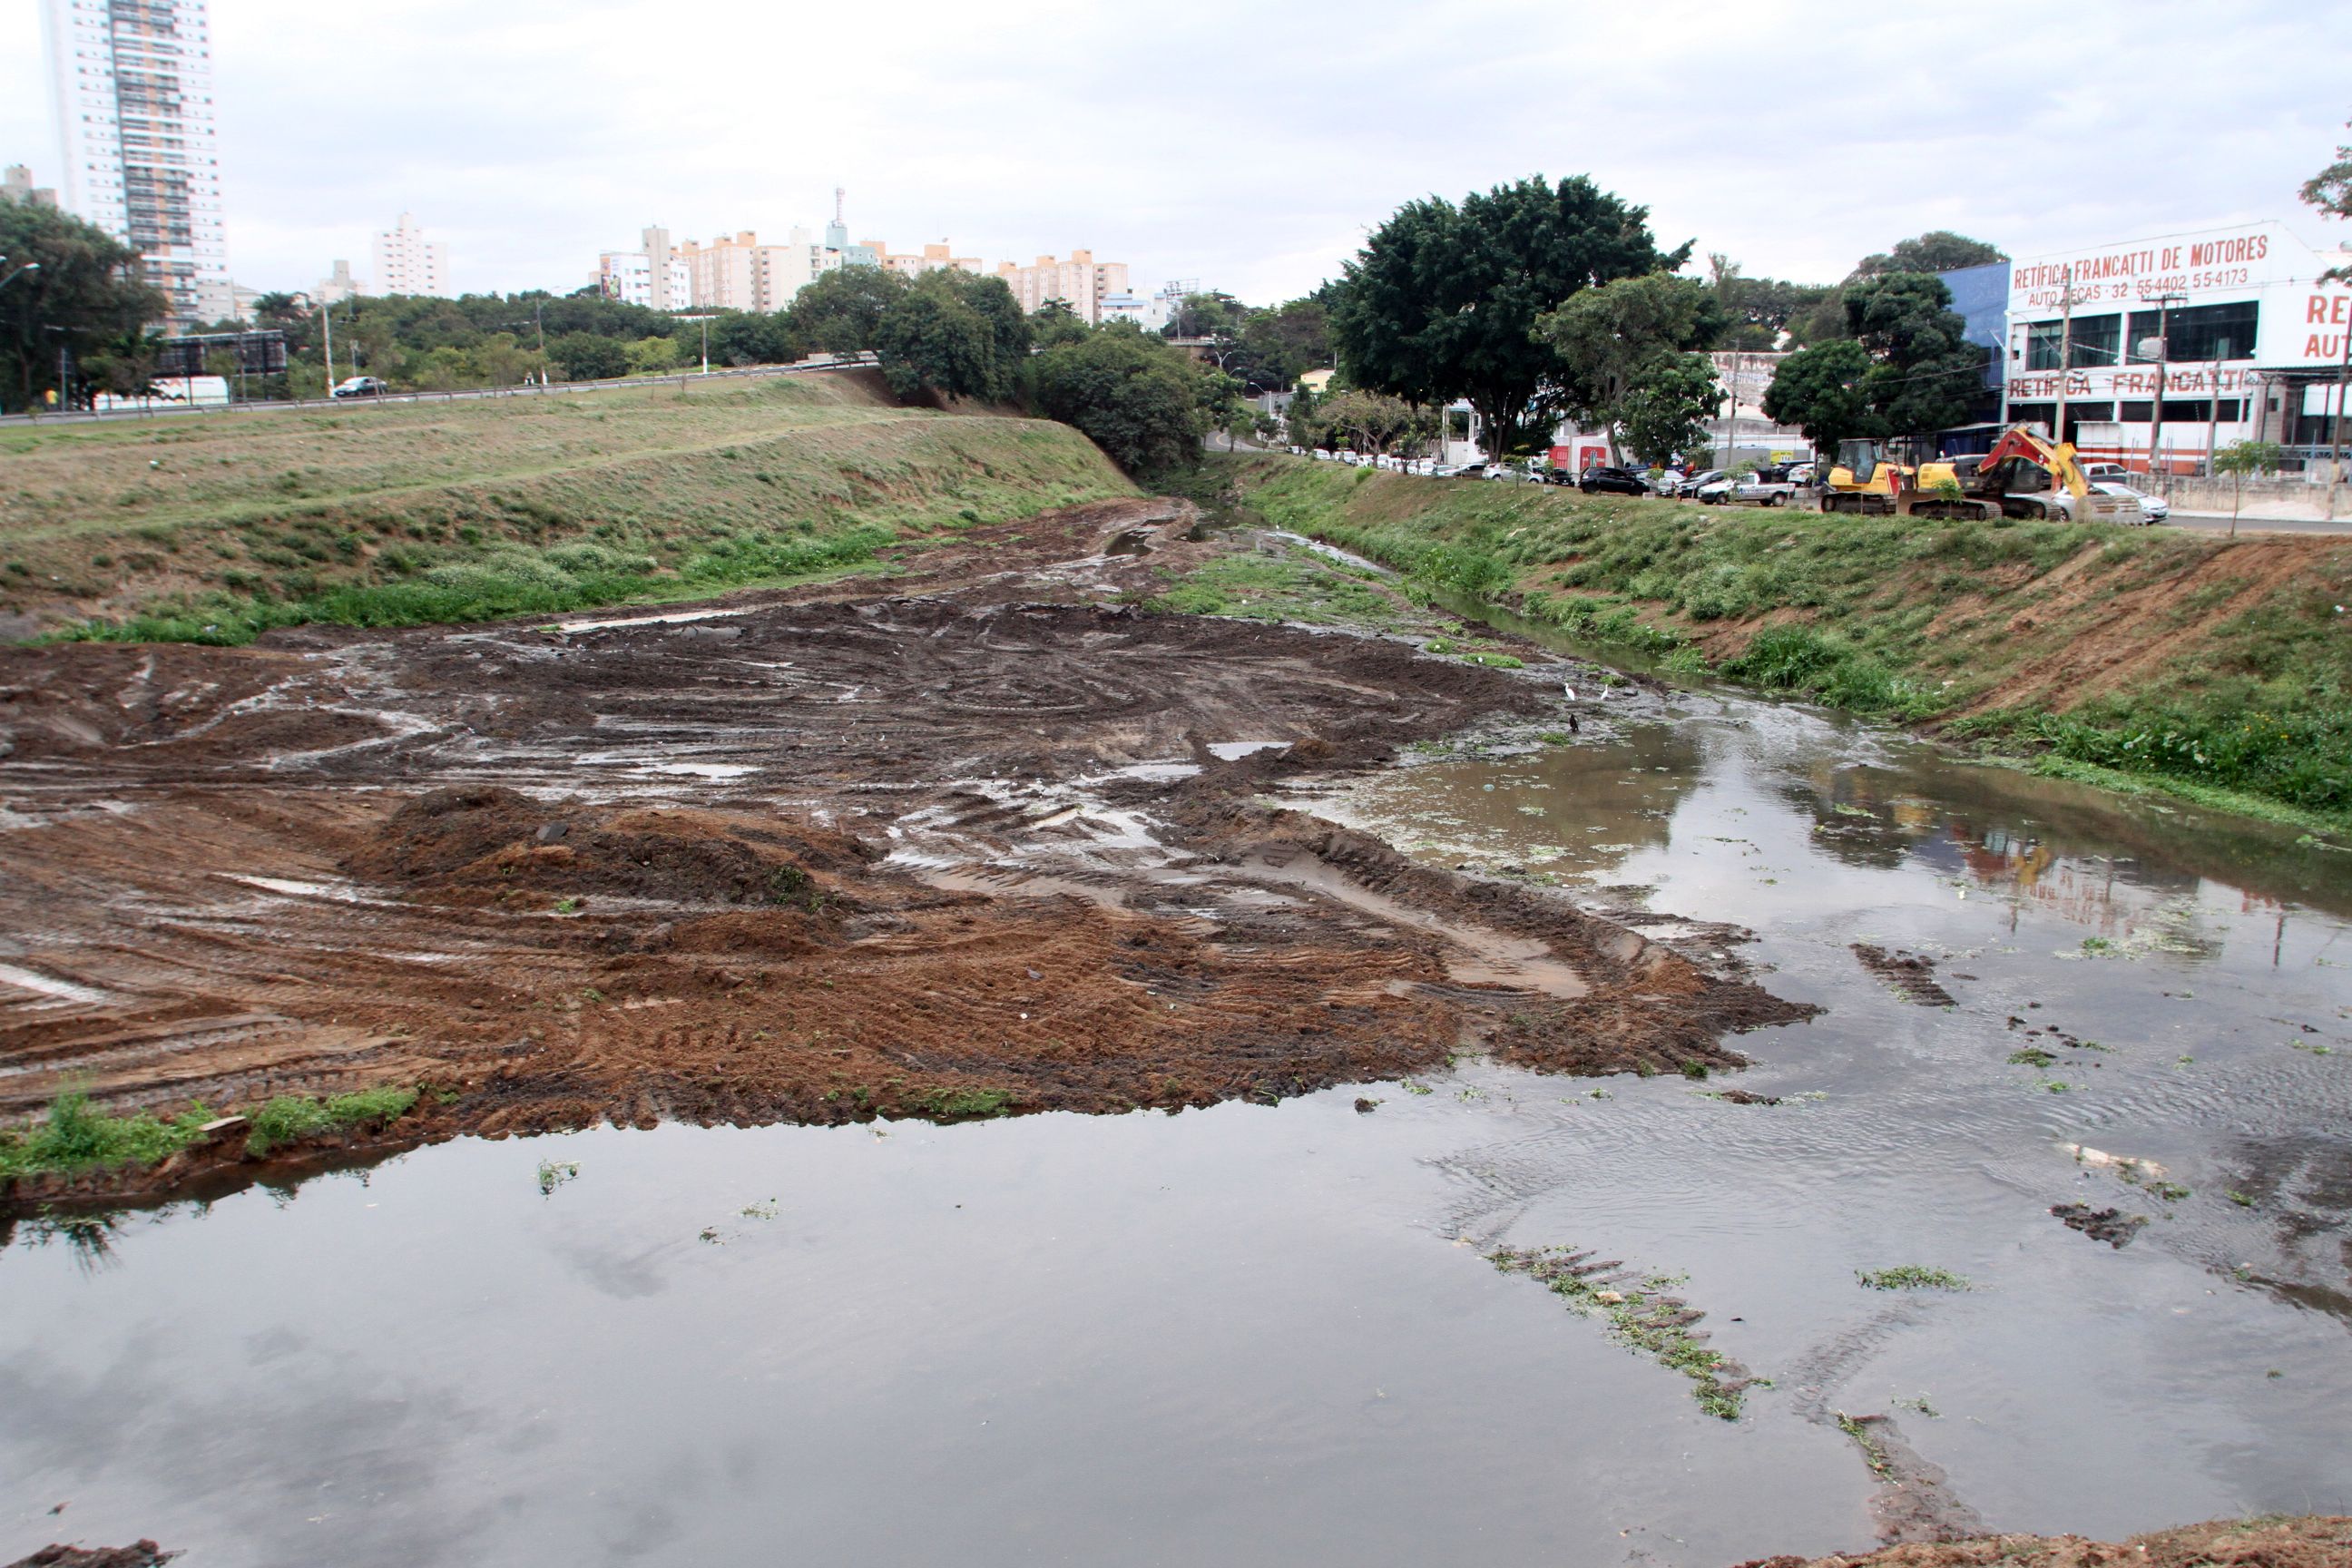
[2335, 432]
[1731, 425]
[327, 321]
[2065, 350]
[2164, 303]
[2213, 411]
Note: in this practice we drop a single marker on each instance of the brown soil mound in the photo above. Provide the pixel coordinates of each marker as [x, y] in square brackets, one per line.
[1912, 976]
[631, 872]
[481, 841]
[2308, 1543]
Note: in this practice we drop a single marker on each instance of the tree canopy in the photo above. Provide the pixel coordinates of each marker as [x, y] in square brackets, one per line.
[1144, 403]
[1664, 412]
[86, 296]
[1630, 333]
[1819, 391]
[2330, 191]
[842, 309]
[955, 335]
[1925, 373]
[1937, 251]
[1442, 301]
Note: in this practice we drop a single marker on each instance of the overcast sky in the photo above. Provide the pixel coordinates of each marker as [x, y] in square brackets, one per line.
[1248, 146]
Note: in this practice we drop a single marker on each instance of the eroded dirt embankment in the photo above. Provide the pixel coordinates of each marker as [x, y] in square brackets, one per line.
[2307, 1543]
[998, 845]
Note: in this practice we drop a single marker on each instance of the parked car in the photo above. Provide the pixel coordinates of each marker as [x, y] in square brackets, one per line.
[1757, 491]
[2152, 508]
[1614, 481]
[1664, 483]
[1700, 481]
[2111, 473]
[360, 386]
[1324, 455]
[1802, 473]
[1717, 491]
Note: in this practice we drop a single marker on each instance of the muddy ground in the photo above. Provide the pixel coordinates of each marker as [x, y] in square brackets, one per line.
[2309, 1542]
[982, 838]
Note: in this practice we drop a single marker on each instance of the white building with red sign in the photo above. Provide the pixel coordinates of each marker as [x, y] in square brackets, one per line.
[2254, 345]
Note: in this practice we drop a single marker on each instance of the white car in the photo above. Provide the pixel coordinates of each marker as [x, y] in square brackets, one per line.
[2152, 508]
[1323, 455]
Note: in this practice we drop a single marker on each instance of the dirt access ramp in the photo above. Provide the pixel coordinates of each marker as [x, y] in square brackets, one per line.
[950, 854]
[2307, 1542]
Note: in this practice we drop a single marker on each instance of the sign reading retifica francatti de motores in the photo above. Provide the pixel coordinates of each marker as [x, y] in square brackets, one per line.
[2302, 320]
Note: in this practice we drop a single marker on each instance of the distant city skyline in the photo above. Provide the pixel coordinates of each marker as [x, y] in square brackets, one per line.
[532, 137]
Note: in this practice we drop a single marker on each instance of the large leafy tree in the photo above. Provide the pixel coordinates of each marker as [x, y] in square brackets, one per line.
[85, 296]
[842, 309]
[1145, 403]
[585, 356]
[954, 335]
[2330, 191]
[1442, 301]
[1819, 391]
[1370, 421]
[1937, 251]
[1924, 373]
[1664, 412]
[1054, 323]
[1611, 339]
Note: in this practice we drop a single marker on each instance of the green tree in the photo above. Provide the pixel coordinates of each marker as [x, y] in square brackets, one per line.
[955, 335]
[1937, 251]
[842, 311]
[1819, 391]
[584, 356]
[1611, 339]
[1442, 301]
[1373, 421]
[2330, 191]
[652, 356]
[1054, 323]
[86, 296]
[1132, 395]
[1925, 373]
[1665, 410]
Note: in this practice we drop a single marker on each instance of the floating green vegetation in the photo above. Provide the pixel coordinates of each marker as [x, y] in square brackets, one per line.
[2030, 1057]
[1640, 1316]
[553, 1174]
[1874, 1453]
[1911, 1277]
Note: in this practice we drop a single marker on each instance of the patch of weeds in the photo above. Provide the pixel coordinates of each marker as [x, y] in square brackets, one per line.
[1695, 1069]
[1919, 1405]
[2170, 1191]
[2030, 1057]
[2317, 1050]
[1641, 1317]
[1910, 1277]
[553, 1174]
[795, 888]
[2243, 1200]
[590, 995]
[1410, 1086]
[946, 1104]
[567, 906]
[2094, 945]
[290, 1118]
[77, 1136]
[763, 1210]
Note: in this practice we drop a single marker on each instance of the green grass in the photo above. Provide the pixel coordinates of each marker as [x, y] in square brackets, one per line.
[948, 1105]
[1913, 620]
[1910, 1277]
[427, 513]
[75, 1136]
[1298, 586]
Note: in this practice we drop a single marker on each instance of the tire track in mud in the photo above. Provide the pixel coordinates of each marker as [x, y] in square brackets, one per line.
[817, 859]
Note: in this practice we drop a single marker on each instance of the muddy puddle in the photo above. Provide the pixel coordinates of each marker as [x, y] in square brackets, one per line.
[1268, 1335]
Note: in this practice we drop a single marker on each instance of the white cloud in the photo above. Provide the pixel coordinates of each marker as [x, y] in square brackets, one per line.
[1246, 146]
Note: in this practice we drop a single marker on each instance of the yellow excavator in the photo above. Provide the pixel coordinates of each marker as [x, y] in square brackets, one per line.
[2026, 475]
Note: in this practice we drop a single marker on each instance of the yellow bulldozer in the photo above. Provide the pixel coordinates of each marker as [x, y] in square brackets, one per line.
[2026, 475]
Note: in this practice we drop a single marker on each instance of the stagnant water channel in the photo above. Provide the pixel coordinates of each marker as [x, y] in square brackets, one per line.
[1268, 1334]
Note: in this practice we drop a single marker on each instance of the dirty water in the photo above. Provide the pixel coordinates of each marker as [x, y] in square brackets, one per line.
[1253, 1334]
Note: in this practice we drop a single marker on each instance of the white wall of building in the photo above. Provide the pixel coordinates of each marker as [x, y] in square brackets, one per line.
[133, 100]
[408, 263]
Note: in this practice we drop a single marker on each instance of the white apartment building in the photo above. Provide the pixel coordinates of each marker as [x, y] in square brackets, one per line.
[940, 257]
[131, 84]
[1082, 283]
[628, 276]
[408, 263]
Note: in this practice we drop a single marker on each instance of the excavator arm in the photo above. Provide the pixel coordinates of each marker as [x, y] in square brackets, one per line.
[2056, 459]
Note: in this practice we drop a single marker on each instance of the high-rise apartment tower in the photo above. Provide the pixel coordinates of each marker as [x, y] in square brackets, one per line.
[131, 81]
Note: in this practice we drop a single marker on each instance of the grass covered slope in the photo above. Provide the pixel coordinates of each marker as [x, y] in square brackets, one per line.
[2198, 662]
[215, 528]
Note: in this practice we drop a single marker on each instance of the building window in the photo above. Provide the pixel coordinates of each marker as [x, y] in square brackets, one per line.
[2201, 332]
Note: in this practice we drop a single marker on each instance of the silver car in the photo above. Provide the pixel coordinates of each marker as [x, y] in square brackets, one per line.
[2152, 508]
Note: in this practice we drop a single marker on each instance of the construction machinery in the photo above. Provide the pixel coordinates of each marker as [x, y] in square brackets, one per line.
[2026, 475]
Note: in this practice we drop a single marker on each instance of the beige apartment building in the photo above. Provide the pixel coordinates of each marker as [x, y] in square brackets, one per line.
[1082, 283]
[741, 274]
[930, 258]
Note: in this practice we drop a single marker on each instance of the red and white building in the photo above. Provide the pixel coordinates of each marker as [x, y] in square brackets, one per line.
[2253, 345]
